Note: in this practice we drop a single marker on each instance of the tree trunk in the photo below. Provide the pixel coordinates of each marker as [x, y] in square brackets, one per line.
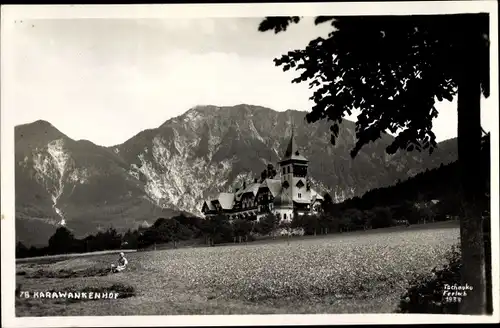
[486, 157]
[469, 151]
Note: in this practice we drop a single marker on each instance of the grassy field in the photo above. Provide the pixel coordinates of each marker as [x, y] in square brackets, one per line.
[359, 272]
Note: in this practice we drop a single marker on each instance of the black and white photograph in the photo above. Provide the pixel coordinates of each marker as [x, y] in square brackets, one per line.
[279, 163]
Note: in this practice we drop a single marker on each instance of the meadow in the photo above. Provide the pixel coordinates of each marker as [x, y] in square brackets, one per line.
[359, 272]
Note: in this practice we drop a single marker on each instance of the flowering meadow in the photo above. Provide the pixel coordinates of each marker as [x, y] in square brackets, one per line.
[351, 272]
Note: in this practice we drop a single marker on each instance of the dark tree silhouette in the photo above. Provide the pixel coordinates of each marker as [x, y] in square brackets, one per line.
[382, 217]
[62, 241]
[21, 250]
[393, 69]
[327, 203]
[355, 218]
[218, 229]
[268, 173]
[149, 237]
[130, 238]
[267, 223]
[241, 229]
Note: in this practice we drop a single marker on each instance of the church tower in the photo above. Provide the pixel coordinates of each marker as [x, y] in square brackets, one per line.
[293, 168]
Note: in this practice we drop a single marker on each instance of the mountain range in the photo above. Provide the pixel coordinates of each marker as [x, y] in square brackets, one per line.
[171, 169]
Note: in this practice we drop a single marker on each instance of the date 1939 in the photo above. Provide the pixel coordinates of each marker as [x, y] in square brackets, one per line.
[452, 299]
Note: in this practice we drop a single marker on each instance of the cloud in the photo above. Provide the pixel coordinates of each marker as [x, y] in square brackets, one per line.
[106, 81]
[82, 98]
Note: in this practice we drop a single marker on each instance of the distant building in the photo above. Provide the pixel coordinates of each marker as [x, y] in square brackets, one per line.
[290, 194]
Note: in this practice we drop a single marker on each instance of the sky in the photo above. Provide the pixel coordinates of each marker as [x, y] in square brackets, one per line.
[105, 80]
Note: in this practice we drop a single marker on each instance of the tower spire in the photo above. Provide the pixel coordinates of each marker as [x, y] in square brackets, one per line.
[292, 151]
[292, 147]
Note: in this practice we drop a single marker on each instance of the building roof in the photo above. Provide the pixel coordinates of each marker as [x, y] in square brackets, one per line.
[145, 224]
[315, 196]
[253, 188]
[210, 205]
[274, 186]
[283, 200]
[292, 152]
[226, 200]
[238, 194]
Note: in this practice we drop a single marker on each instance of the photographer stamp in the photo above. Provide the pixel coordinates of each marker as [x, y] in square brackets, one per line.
[455, 293]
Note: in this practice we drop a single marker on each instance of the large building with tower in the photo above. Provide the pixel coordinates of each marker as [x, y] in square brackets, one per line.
[290, 194]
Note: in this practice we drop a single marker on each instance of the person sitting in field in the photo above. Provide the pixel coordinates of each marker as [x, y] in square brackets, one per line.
[122, 264]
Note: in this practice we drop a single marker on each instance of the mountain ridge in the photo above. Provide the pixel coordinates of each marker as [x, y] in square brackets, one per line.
[42, 121]
[186, 159]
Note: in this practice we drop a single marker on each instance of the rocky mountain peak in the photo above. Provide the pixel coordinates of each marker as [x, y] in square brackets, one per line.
[194, 156]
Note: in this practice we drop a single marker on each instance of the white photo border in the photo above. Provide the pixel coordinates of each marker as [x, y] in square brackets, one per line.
[10, 13]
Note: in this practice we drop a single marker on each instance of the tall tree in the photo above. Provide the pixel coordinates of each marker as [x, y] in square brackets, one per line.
[327, 204]
[268, 223]
[392, 69]
[21, 250]
[62, 241]
[241, 228]
[219, 229]
[268, 173]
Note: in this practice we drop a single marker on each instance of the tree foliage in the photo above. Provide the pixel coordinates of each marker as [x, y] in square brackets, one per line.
[425, 294]
[267, 224]
[219, 229]
[21, 250]
[327, 204]
[268, 173]
[242, 227]
[62, 241]
[394, 71]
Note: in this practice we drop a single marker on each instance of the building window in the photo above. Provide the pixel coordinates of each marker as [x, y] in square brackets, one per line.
[284, 170]
[300, 195]
[284, 216]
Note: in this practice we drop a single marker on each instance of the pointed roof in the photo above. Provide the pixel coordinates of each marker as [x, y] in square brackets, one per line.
[315, 195]
[253, 188]
[209, 205]
[283, 200]
[225, 200]
[292, 151]
[274, 186]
